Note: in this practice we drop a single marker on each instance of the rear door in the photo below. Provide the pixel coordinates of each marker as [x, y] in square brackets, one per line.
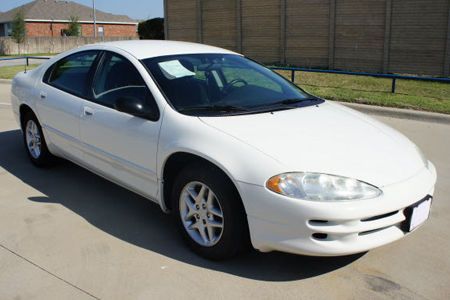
[65, 85]
[119, 145]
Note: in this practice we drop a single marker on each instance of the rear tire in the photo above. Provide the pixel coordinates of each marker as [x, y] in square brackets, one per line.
[204, 199]
[35, 143]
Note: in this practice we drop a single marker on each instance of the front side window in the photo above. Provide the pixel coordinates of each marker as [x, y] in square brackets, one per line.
[71, 73]
[214, 84]
[116, 79]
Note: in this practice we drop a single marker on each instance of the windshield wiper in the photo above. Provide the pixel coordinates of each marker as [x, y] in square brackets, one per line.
[295, 100]
[213, 108]
[289, 101]
[284, 104]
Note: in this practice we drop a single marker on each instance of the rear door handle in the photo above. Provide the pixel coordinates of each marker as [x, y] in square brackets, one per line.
[87, 111]
[43, 95]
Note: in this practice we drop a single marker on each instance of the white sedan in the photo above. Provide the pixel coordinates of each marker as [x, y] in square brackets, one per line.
[237, 153]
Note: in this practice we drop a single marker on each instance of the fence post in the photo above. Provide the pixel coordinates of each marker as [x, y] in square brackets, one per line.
[393, 85]
[26, 59]
[283, 32]
[199, 21]
[331, 35]
[238, 26]
[446, 71]
[166, 21]
[387, 36]
[293, 76]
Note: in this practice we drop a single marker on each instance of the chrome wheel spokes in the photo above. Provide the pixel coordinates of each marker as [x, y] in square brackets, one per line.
[33, 139]
[201, 214]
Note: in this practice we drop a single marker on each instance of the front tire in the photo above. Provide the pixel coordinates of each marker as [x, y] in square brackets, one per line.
[209, 212]
[35, 143]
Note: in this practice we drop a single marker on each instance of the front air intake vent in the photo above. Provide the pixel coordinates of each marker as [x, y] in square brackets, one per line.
[379, 216]
[320, 236]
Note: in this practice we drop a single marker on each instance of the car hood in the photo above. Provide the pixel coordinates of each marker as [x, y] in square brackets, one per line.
[327, 138]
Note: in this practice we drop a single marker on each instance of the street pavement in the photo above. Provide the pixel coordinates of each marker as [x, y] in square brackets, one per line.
[66, 233]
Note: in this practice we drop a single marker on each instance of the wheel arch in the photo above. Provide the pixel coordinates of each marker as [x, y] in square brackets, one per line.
[178, 160]
[23, 110]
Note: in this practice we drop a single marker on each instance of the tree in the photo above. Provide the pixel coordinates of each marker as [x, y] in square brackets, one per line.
[18, 31]
[74, 28]
[152, 29]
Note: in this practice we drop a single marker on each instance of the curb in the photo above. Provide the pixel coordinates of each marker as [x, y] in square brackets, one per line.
[5, 80]
[399, 113]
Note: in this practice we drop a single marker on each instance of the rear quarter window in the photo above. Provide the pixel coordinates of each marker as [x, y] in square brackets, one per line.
[71, 74]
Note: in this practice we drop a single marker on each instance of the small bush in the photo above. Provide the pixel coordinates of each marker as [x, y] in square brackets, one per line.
[152, 29]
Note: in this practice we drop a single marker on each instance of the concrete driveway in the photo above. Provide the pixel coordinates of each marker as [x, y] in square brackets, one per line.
[68, 234]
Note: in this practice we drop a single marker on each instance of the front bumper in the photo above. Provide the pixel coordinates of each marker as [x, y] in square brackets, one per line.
[304, 227]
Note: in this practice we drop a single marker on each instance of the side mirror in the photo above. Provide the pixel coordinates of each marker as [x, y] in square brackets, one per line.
[136, 107]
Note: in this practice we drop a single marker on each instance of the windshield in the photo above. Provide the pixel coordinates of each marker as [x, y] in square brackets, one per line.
[209, 84]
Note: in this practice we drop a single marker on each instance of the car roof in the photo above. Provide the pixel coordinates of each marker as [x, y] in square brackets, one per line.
[142, 49]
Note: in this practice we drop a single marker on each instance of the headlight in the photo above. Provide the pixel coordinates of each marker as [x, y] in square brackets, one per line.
[321, 187]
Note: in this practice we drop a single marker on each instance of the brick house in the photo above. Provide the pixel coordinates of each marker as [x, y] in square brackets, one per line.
[48, 18]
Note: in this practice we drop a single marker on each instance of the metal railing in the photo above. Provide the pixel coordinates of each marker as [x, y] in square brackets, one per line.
[26, 58]
[389, 76]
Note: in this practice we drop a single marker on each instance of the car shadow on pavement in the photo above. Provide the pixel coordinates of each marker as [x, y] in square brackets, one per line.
[139, 221]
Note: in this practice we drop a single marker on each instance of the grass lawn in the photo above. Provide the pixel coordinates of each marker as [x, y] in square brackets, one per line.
[10, 71]
[418, 95]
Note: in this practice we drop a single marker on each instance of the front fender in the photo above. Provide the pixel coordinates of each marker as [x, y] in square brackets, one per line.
[240, 161]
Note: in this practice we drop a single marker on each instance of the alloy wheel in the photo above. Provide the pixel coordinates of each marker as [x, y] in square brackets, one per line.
[33, 139]
[201, 214]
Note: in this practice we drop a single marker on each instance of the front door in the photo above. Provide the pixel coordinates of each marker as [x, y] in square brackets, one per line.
[119, 145]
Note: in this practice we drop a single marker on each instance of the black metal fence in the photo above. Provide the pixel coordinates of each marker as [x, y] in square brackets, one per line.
[26, 58]
[394, 77]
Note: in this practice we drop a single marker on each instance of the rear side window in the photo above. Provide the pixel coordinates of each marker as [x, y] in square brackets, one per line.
[71, 73]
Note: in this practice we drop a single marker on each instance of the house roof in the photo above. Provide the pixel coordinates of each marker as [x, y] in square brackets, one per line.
[60, 10]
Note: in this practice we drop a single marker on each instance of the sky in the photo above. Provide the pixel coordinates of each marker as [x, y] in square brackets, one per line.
[136, 9]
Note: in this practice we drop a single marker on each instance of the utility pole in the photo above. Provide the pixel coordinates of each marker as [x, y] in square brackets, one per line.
[95, 18]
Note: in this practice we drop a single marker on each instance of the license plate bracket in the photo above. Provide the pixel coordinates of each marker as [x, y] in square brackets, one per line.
[416, 214]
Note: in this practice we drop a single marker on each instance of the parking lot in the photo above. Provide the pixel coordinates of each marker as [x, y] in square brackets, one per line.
[66, 233]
